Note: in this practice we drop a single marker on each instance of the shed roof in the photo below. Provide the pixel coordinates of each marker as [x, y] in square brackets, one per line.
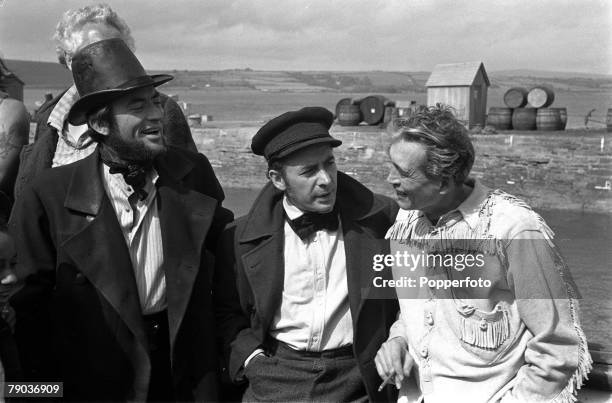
[6, 73]
[456, 74]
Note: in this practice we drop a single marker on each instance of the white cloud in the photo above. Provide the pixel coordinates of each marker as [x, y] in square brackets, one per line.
[340, 34]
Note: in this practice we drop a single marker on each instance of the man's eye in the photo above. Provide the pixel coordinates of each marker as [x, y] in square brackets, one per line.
[404, 174]
[136, 106]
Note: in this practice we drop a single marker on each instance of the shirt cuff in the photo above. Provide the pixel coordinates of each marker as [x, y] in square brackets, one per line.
[397, 330]
[253, 354]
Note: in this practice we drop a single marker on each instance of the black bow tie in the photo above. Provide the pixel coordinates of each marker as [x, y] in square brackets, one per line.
[309, 223]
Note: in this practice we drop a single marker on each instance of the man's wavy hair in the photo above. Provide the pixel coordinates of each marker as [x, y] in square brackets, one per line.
[73, 20]
[450, 153]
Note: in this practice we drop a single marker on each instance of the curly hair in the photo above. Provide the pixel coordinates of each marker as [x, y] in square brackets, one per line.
[450, 153]
[73, 20]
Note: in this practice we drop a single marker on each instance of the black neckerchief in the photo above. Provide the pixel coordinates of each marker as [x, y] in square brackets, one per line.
[134, 173]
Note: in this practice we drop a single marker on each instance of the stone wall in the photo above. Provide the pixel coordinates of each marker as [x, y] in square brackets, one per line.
[559, 170]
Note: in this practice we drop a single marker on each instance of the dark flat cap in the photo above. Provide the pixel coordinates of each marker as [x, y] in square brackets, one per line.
[293, 131]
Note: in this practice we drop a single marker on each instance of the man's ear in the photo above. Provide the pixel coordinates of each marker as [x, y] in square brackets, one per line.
[277, 179]
[445, 186]
[99, 125]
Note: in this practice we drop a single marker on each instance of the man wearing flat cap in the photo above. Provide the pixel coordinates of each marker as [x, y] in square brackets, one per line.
[115, 249]
[298, 326]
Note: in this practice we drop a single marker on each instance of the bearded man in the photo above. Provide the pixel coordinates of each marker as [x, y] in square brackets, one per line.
[114, 248]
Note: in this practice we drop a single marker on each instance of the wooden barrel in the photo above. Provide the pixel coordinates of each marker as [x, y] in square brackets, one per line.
[500, 118]
[515, 97]
[389, 112]
[524, 119]
[609, 120]
[373, 109]
[194, 120]
[540, 97]
[562, 118]
[349, 115]
[548, 119]
[343, 101]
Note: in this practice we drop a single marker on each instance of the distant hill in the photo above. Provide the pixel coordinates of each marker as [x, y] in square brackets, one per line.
[40, 74]
[49, 75]
[547, 74]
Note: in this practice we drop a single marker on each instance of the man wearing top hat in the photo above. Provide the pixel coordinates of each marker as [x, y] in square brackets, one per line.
[115, 247]
[299, 325]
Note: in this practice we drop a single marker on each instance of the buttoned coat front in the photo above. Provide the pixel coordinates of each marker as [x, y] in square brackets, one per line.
[252, 252]
[77, 270]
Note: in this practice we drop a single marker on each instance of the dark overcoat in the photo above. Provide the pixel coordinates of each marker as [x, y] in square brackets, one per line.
[78, 275]
[252, 252]
[38, 156]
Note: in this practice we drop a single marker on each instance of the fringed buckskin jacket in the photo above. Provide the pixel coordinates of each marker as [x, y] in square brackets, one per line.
[516, 339]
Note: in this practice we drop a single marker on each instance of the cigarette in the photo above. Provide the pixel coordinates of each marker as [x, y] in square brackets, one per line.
[386, 382]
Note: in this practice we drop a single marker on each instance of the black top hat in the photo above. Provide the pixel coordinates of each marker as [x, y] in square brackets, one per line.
[293, 131]
[104, 71]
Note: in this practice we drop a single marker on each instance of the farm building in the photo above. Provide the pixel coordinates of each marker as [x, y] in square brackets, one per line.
[10, 83]
[462, 86]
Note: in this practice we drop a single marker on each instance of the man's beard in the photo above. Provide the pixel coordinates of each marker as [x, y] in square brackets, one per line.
[133, 151]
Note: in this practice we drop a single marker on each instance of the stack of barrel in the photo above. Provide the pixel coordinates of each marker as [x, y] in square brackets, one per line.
[528, 110]
[373, 110]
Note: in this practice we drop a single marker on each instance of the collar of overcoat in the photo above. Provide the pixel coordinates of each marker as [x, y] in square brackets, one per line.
[100, 251]
[264, 264]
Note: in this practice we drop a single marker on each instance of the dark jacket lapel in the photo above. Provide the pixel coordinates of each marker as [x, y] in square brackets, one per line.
[99, 248]
[261, 243]
[357, 204]
[185, 218]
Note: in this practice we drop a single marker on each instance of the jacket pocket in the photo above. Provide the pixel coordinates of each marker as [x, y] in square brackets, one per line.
[485, 334]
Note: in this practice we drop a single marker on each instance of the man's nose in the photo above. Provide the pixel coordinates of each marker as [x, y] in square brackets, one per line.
[324, 178]
[155, 112]
[393, 178]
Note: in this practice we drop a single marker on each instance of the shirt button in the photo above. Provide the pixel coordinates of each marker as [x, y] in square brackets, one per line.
[424, 351]
[429, 319]
[127, 210]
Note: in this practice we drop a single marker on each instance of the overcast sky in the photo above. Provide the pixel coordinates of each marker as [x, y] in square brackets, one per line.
[397, 35]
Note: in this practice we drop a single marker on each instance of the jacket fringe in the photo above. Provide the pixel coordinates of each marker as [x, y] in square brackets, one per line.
[485, 334]
[585, 362]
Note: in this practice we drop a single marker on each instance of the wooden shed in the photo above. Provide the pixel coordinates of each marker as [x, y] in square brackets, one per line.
[462, 86]
[10, 83]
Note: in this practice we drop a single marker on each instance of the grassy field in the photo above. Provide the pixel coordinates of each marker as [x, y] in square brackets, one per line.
[248, 95]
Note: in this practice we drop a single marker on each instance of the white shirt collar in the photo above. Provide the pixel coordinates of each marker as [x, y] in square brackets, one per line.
[291, 211]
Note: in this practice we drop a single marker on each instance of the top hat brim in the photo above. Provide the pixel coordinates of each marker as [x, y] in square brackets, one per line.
[78, 113]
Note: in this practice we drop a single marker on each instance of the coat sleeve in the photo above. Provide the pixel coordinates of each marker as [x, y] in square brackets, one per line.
[210, 186]
[556, 358]
[35, 270]
[235, 337]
